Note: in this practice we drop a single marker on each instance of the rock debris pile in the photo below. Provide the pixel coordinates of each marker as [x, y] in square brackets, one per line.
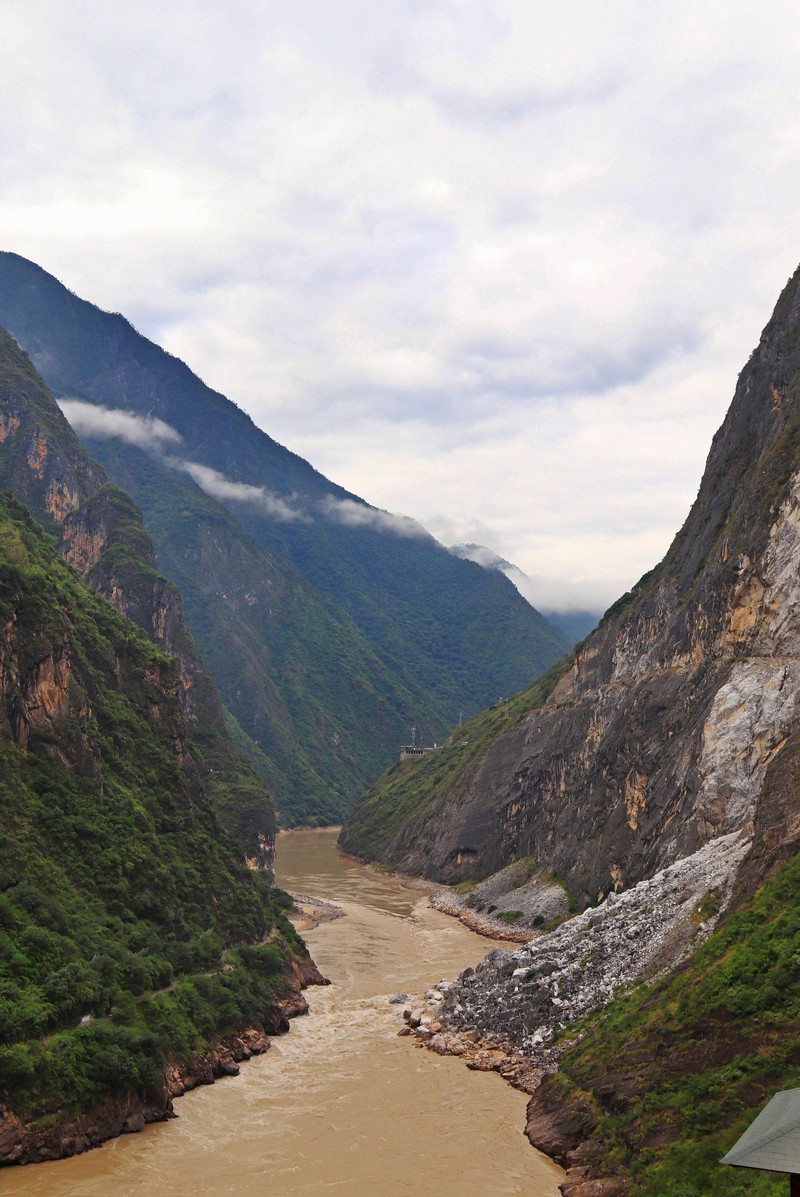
[519, 999]
[510, 904]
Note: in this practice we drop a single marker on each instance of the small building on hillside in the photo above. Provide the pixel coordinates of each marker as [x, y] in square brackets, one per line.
[411, 750]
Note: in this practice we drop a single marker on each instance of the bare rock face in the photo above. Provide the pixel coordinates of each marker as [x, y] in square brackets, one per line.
[105, 541]
[101, 532]
[667, 729]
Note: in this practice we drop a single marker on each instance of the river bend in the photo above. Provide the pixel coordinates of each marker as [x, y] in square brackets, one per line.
[340, 1105]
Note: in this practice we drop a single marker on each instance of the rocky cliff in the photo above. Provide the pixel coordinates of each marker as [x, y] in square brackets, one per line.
[666, 730]
[102, 536]
[133, 934]
[657, 776]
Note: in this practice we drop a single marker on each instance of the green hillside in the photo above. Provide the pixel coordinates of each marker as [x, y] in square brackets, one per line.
[440, 636]
[130, 926]
[319, 707]
[669, 1077]
[100, 532]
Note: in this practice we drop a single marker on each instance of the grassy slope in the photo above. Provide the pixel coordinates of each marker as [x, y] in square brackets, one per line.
[120, 896]
[675, 1072]
[410, 792]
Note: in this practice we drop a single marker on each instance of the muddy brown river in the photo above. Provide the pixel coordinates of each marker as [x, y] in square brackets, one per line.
[340, 1105]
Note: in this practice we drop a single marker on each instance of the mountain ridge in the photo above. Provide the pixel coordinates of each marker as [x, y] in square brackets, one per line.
[446, 636]
[100, 533]
[671, 739]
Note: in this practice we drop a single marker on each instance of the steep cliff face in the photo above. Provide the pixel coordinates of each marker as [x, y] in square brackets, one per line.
[104, 540]
[133, 934]
[46, 470]
[102, 536]
[664, 731]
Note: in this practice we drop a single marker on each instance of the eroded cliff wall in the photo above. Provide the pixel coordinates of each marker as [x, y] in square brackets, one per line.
[666, 730]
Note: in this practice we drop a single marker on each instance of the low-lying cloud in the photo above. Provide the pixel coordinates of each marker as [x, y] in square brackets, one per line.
[148, 432]
[550, 595]
[105, 423]
[156, 436]
[360, 515]
[214, 483]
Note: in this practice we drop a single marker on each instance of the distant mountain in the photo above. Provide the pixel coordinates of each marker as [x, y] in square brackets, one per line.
[574, 624]
[418, 635]
[317, 711]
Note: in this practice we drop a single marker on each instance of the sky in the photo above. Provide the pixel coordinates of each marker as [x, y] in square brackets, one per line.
[491, 265]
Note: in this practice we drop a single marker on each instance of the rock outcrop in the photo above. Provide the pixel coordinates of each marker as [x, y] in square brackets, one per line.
[666, 730]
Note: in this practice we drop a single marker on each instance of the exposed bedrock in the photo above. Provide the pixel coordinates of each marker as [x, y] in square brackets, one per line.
[663, 733]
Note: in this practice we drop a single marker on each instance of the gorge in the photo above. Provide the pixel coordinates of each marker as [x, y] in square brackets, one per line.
[340, 1103]
[631, 817]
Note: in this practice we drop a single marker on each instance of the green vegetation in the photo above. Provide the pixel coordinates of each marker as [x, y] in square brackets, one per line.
[327, 636]
[312, 707]
[410, 792]
[45, 467]
[130, 928]
[675, 1072]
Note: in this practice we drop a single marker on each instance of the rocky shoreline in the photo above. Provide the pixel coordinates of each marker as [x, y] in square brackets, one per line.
[28, 1143]
[509, 1013]
[308, 912]
[448, 902]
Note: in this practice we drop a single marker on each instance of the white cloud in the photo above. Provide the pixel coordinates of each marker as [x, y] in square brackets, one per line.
[148, 432]
[92, 419]
[491, 264]
[547, 594]
[360, 515]
[226, 490]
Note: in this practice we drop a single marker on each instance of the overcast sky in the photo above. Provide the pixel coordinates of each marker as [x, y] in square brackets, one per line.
[493, 265]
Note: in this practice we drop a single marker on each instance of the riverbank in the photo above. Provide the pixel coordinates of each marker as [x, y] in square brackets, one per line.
[512, 1013]
[308, 912]
[340, 1104]
[489, 926]
[29, 1143]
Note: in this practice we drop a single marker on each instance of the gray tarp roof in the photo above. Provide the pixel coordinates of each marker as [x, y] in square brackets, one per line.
[772, 1140]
